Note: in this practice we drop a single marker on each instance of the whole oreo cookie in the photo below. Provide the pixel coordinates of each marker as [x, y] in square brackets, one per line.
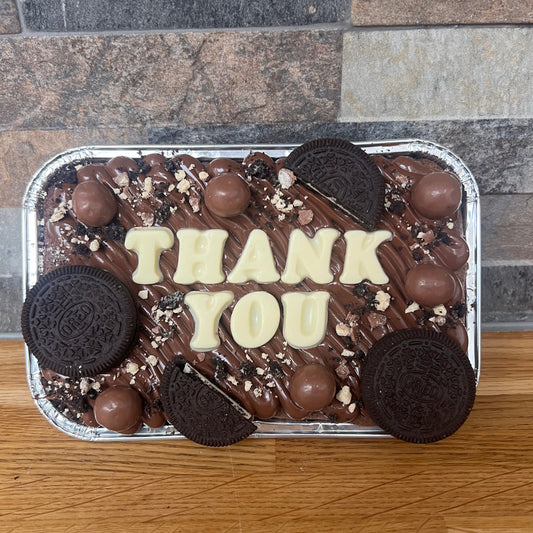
[79, 321]
[198, 411]
[418, 385]
[344, 172]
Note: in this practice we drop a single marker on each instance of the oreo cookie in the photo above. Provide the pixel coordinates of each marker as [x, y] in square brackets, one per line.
[418, 385]
[79, 321]
[341, 171]
[198, 410]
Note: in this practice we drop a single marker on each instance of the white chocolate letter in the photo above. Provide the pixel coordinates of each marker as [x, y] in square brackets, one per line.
[361, 261]
[305, 318]
[148, 243]
[255, 319]
[200, 256]
[206, 309]
[256, 261]
[309, 257]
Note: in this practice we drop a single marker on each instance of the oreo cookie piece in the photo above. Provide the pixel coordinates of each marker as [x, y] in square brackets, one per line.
[79, 321]
[199, 410]
[341, 171]
[418, 385]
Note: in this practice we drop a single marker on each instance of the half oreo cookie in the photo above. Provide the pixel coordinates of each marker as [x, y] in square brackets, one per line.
[418, 385]
[343, 172]
[79, 321]
[198, 410]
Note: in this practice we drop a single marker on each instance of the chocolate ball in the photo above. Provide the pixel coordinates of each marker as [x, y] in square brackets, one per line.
[93, 203]
[224, 165]
[93, 172]
[227, 195]
[430, 285]
[455, 254]
[154, 159]
[119, 409]
[121, 164]
[437, 195]
[312, 387]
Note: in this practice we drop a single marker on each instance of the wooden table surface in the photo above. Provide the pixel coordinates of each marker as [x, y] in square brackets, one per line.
[480, 479]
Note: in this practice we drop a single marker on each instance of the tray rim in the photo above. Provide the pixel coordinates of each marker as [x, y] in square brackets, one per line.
[415, 146]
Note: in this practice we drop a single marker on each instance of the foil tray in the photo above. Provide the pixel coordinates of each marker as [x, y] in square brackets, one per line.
[272, 428]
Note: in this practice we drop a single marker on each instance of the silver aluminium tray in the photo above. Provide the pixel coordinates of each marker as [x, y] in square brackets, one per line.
[282, 428]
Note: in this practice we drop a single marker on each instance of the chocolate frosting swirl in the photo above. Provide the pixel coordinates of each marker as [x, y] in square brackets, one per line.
[259, 378]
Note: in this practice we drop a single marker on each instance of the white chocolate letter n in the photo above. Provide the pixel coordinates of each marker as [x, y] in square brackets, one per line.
[200, 256]
[206, 309]
[148, 243]
[309, 257]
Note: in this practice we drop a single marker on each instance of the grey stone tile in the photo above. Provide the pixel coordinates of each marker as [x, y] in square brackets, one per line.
[437, 73]
[507, 294]
[10, 242]
[10, 304]
[506, 222]
[9, 17]
[498, 152]
[186, 78]
[23, 152]
[94, 15]
[415, 12]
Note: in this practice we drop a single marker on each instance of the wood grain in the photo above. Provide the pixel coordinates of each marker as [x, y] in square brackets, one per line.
[479, 480]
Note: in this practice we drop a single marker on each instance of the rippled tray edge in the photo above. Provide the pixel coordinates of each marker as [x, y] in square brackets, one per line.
[31, 267]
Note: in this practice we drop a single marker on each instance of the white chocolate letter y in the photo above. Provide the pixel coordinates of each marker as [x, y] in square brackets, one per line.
[206, 309]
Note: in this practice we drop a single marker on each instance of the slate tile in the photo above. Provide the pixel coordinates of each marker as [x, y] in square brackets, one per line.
[437, 74]
[10, 304]
[498, 152]
[9, 17]
[507, 295]
[417, 12]
[10, 241]
[187, 78]
[95, 15]
[23, 153]
[506, 222]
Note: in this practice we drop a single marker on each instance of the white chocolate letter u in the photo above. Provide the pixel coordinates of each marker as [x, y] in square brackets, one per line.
[305, 318]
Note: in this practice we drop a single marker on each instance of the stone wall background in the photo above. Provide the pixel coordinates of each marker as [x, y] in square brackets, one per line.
[118, 72]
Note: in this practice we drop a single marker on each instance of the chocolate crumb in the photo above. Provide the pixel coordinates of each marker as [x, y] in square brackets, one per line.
[417, 254]
[170, 166]
[115, 232]
[359, 289]
[260, 170]
[247, 370]
[81, 249]
[220, 369]
[275, 369]
[458, 310]
[397, 207]
[170, 301]
[163, 212]
[424, 318]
